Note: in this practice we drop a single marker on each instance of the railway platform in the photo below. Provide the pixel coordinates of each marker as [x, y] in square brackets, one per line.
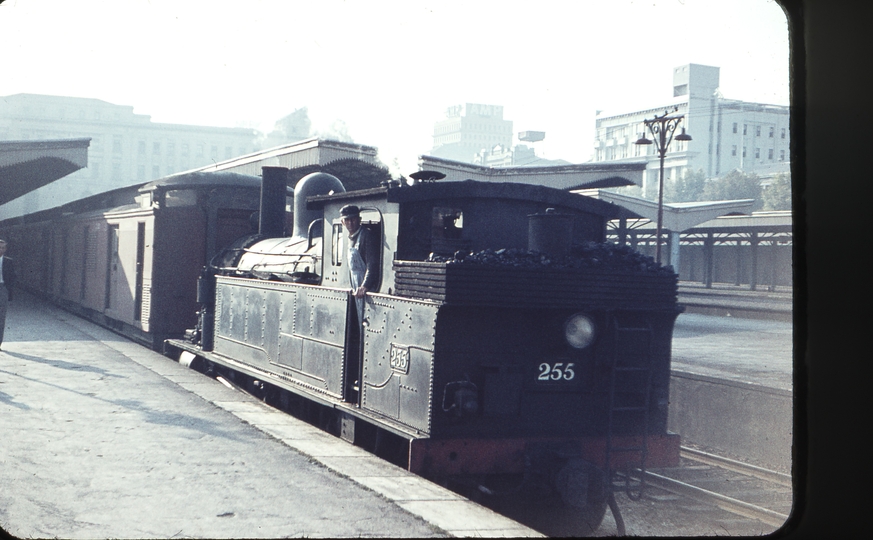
[102, 438]
[732, 387]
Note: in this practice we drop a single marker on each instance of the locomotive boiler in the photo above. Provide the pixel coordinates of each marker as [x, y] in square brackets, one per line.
[506, 346]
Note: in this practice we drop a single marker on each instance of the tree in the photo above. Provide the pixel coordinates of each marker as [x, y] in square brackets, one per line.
[734, 185]
[295, 126]
[630, 191]
[290, 128]
[689, 188]
[777, 196]
[338, 131]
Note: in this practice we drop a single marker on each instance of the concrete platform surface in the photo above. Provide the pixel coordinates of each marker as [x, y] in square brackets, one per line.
[750, 351]
[102, 438]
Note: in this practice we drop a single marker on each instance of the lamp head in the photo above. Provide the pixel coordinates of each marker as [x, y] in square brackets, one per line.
[683, 136]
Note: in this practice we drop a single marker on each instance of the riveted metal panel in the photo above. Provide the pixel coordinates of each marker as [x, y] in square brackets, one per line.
[311, 348]
[255, 307]
[397, 377]
[296, 332]
[274, 300]
[240, 321]
[237, 314]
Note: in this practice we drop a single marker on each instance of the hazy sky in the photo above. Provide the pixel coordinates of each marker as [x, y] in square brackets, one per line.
[390, 68]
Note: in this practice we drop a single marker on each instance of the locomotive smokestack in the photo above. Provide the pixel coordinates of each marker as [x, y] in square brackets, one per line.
[274, 181]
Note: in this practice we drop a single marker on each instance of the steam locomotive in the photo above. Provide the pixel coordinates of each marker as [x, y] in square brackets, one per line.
[506, 347]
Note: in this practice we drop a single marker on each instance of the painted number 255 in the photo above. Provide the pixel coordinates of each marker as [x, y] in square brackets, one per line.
[557, 372]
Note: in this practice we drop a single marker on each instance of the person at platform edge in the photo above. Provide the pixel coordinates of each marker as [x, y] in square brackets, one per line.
[363, 255]
[7, 281]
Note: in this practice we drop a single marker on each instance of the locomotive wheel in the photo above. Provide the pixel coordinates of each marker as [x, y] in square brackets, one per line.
[581, 505]
[545, 509]
[584, 488]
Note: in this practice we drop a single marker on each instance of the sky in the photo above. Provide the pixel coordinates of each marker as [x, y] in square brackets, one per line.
[389, 69]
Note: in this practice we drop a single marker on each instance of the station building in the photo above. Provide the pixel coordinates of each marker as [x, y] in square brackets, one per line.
[726, 134]
[125, 148]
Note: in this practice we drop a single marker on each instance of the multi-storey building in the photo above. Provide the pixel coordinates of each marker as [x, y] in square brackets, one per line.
[726, 134]
[469, 129]
[126, 148]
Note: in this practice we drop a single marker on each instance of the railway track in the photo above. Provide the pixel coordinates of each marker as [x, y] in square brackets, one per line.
[739, 488]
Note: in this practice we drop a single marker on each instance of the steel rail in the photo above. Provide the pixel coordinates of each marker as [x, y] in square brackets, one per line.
[736, 466]
[724, 502]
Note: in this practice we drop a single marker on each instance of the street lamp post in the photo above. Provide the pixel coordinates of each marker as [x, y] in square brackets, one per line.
[662, 127]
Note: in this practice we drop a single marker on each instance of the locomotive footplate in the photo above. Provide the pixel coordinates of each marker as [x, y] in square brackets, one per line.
[452, 457]
[174, 346]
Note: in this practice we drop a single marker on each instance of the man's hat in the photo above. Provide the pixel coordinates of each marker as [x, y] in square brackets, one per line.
[349, 210]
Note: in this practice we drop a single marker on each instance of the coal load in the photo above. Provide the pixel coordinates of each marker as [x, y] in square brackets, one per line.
[591, 275]
[589, 256]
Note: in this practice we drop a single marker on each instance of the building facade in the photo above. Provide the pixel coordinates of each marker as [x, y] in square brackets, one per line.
[726, 134]
[126, 148]
[469, 129]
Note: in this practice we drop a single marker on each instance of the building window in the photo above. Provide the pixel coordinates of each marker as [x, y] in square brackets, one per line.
[116, 144]
[156, 148]
[156, 171]
[735, 127]
[184, 149]
[781, 155]
[171, 148]
[734, 149]
[757, 153]
[783, 133]
[228, 152]
[116, 170]
[141, 148]
[772, 131]
[745, 128]
[744, 151]
[770, 154]
[214, 153]
[757, 131]
[199, 150]
[140, 173]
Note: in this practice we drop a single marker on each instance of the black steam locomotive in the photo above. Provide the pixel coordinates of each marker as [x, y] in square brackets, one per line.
[506, 346]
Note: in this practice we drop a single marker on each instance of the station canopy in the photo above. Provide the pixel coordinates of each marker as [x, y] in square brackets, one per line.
[678, 217]
[574, 176]
[29, 165]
